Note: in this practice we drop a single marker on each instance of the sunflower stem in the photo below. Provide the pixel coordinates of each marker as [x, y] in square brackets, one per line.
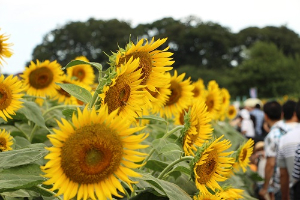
[94, 98]
[167, 169]
[173, 131]
[32, 133]
[49, 191]
[59, 106]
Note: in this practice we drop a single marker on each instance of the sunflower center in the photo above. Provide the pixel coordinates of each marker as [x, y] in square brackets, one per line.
[209, 104]
[117, 96]
[79, 73]
[5, 97]
[91, 154]
[175, 93]
[41, 78]
[244, 154]
[2, 144]
[145, 64]
[196, 92]
[206, 170]
[231, 111]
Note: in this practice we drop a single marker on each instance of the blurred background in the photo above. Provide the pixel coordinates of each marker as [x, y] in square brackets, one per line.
[252, 48]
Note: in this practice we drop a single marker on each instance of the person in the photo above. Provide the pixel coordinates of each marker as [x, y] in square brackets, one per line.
[296, 172]
[286, 151]
[247, 125]
[273, 115]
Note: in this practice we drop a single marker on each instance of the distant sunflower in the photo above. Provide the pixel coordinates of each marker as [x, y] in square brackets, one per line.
[10, 96]
[199, 89]
[212, 165]
[231, 112]
[225, 103]
[153, 63]
[179, 118]
[207, 196]
[213, 99]
[243, 155]
[180, 97]
[5, 141]
[63, 96]
[5, 50]
[83, 73]
[197, 129]
[90, 156]
[125, 92]
[40, 78]
[230, 193]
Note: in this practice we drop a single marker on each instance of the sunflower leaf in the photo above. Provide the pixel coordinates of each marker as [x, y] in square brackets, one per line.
[33, 113]
[81, 62]
[79, 92]
[155, 118]
[20, 177]
[22, 156]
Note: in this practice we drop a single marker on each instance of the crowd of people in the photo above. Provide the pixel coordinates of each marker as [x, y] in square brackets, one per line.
[275, 129]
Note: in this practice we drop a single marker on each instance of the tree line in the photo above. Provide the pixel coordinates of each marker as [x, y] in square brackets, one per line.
[265, 58]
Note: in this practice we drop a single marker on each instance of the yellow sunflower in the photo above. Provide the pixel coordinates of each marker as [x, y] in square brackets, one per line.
[231, 112]
[199, 89]
[207, 196]
[231, 193]
[10, 95]
[40, 78]
[125, 92]
[93, 154]
[5, 50]
[212, 165]
[213, 99]
[243, 155]
[64, 97]
[179, 118]
[82, 73]
[225, 103]
[5, 141]
[197, 129]
[153, 63]
[180, 97]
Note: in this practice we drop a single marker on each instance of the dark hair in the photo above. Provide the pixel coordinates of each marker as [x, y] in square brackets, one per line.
[273, 110]
[257, 106]
[288, 109]
[298, 109]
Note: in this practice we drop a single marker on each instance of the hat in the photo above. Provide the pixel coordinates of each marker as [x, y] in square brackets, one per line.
[259, 145]
[245, 114]
[251, 102]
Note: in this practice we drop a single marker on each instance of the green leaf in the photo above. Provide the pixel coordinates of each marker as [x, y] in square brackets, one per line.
[20, 177]
[17, 193]
[81, 62]
[32, 113]
[24, 128]
[21, 142]
[155, 118]
[23, 156]
[182, 169]
[68, 113]
[156, 165]
[79, 92]
[170, 189]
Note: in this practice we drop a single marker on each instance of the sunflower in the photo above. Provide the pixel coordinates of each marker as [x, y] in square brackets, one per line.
[197, 128]
[40, 78]
[230, 193]
[207, 196]
[125, 92]
[179, 118]
[199, 89]
[83, 73]
[180, 97]
[93, 154]
[153, 63]
[243, 155]
[63, 96]
[231, 112]
[10, 95]
[213, 99]
[225, 103]
[212, 165]
[5, 141]
[5, 50]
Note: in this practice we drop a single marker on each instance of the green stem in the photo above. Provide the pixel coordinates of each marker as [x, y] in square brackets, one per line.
[32, 133]
[94, 98]
[172, 165]
[49, 191]
[59, 106]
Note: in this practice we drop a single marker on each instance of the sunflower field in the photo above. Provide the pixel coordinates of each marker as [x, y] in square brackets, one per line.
[137, 130]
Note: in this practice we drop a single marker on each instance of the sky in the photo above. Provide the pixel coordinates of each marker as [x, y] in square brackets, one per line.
[28, 21]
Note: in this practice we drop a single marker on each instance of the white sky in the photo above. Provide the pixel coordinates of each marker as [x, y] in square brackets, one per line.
[27, 21]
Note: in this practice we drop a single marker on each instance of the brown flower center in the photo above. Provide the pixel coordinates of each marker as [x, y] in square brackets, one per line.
[244, 154]
[175, 93]
[210, 103]
[91, 154]
[206, 170]
[40, 78]
[79, 73]
[145, 64]
[5, 96]
[196, 92]
[2, 144]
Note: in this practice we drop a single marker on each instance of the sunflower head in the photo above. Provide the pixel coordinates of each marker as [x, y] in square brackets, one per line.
[10, 96]
[6, 141]
[207, 196]
[231, 112]
[225, 103]
[212, 165]
[197, 128]
[83, 73]
[40, 78]
[199, 89]
[213, 99]
[230, 193]
[5, 51]
[92, 154]
[243, 155]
